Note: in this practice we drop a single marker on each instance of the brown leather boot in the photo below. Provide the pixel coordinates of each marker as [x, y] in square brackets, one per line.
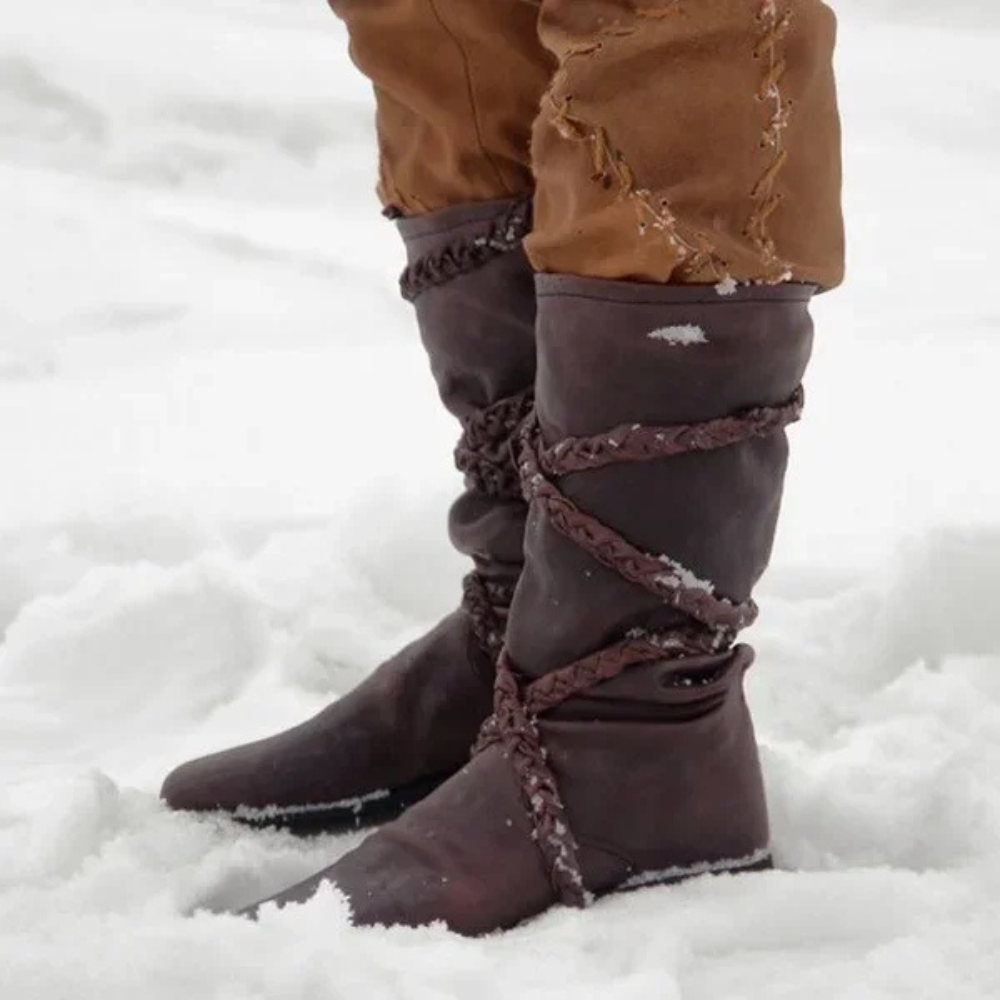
[410, 725]
[620, 753]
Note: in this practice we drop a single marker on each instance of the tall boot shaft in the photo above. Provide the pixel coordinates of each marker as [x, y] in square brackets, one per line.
[655, 469]
[612, 355]
[474, 294]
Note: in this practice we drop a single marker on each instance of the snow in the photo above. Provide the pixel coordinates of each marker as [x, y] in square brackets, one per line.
[680, 576]
[271, 813]
[225, 478]
[683, 335]
[682, 872]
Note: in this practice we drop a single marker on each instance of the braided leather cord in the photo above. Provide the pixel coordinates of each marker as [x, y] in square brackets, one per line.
[659, 574]
[485, 452]
[468, 254]
[486, 604]
[539, 789]
[714, 622]
[637, 443]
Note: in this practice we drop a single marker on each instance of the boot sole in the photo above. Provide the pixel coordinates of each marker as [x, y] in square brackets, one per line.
[343, 816]
[759, 861]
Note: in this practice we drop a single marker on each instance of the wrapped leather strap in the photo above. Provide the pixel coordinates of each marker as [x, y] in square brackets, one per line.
[714, 620]
[485, 451]
[485, 454]
[486, 603]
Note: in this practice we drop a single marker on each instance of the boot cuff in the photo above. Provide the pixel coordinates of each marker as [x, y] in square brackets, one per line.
[428, 233]
[649, 293]
[611, 352]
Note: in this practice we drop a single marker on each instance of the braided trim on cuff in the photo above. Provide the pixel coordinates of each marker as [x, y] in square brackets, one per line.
[467, 254]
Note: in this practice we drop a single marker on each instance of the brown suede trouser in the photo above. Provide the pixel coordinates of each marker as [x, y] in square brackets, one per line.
[687, 141]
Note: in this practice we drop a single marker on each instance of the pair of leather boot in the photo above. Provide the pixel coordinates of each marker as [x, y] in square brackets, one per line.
[624, 452]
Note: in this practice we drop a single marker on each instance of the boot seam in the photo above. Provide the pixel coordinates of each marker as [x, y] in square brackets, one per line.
[765, 200]
[691, 249]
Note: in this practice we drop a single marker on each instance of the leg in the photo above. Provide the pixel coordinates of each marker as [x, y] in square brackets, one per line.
[458, 83]
[692, 143]
[692, 148]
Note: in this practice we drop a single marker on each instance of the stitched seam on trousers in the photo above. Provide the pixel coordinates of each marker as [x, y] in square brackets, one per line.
[694, 252]
[472, 97]
[765, 199]
[611, 167]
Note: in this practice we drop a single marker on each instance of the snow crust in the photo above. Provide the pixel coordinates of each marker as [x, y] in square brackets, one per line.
[681, 336]
[271, 813]
[678, 575]
[225, 481]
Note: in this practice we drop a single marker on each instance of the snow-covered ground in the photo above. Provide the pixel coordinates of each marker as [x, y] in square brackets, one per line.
[197, 295]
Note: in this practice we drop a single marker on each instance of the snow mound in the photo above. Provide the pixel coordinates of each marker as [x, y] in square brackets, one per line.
[107, 650]
[886, 819]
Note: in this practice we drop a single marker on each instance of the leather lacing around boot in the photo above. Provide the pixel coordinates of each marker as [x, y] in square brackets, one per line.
[486, 603]
[485, 452]
[467, 254]
[485, 455]
[714, 621]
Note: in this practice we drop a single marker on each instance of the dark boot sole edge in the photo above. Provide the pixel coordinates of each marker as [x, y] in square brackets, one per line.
[760, 861]
[344, 816]
[736, 866]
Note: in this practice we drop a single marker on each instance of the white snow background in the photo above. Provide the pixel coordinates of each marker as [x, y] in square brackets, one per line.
[224, 479]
